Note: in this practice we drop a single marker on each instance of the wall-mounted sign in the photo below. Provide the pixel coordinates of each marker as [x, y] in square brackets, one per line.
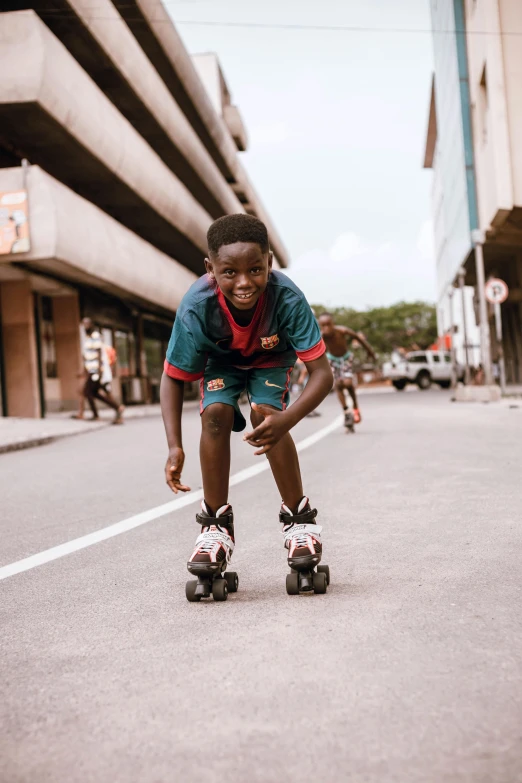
[14, 222]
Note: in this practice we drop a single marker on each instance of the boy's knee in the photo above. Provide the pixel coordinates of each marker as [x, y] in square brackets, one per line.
[218, 419]
[256, 418]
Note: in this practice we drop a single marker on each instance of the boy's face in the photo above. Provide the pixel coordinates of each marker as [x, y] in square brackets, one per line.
[327, 325]
[241, 271]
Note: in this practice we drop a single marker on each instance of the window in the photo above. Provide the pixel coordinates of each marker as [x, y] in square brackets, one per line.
[417, 358]
[436, 358]
[107, 336]
[447, 358]
[124, 344]
[154, 356]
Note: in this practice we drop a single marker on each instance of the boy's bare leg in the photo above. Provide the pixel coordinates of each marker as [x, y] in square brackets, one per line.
[339, 388]
[284, 464]
[214, 452]
[351, 391]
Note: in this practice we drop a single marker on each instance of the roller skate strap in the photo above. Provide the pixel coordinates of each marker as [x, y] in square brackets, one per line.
[217, 536]
[299, 530]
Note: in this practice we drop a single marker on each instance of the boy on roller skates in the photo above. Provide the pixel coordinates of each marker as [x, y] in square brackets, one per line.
[240, 327]
[340, 356]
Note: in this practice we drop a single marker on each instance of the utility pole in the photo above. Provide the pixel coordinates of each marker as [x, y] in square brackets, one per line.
[462, 277]
[478, 237]
[452, 340]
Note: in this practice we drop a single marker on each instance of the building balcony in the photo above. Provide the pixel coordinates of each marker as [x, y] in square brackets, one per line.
[75, 241]
[58, 118]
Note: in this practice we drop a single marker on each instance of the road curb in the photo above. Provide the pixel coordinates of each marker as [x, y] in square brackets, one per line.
[44, 440]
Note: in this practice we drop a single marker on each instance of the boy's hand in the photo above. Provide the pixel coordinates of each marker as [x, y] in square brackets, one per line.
[173, 468]
[270, 431]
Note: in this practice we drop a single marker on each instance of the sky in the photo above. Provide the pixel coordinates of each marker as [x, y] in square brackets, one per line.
[337, 122]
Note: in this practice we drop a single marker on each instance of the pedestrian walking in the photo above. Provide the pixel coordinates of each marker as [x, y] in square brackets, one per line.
[98, 374]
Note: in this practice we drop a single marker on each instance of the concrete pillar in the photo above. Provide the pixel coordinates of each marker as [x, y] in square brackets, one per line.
[20, 353]
[66, 321]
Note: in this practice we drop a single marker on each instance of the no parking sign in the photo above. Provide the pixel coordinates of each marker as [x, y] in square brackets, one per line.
[496, 291]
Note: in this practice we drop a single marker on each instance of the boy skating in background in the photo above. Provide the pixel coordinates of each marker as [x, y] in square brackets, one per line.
[337, 340]
[240, 327]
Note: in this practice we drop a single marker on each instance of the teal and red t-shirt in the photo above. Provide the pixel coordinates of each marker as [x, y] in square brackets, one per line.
[283, 327]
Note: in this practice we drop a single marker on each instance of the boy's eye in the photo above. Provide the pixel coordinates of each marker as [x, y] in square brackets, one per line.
[229, 272]
[256, 270]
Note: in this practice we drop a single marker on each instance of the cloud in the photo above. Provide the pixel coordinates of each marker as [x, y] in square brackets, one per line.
[269, 135]
[426, 241]
[357, 272]
[347, 246]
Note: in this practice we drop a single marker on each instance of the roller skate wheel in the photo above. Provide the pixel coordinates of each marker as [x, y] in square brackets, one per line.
[292, 583]
[324, 569]
[190, 591]
[220, 590]
[232, 581]
[320, 582]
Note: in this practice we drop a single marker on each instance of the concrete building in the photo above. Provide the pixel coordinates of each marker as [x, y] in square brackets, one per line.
[473, 147]
[114, 160]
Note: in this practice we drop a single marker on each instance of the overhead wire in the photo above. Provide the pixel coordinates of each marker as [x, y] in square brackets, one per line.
[59, 14]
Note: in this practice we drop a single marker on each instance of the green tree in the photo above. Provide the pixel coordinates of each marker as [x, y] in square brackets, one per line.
[409, 325]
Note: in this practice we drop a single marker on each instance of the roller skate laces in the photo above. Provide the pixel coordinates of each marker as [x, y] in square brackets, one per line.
[301, 534]
[215, 544]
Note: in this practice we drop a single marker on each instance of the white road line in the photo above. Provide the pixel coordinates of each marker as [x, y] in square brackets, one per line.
[147, 516]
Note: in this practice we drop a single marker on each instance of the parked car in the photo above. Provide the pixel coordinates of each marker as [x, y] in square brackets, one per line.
[422, 368]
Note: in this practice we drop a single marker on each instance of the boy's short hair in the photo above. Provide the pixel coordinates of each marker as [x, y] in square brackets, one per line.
[229, 229]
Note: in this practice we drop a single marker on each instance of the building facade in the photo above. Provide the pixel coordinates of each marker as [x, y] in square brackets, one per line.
[114, 160]
[449, 153]
[473, 147]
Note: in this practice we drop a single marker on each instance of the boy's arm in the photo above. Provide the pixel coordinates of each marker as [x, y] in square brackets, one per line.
[319, 385]
[355, 336]
[171, 398]
[278, 423]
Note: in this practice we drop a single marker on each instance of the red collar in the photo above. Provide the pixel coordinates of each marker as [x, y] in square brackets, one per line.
[230, 318]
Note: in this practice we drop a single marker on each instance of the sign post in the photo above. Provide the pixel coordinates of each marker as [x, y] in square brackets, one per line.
[496, 293]
[478, 238]
[462, 278]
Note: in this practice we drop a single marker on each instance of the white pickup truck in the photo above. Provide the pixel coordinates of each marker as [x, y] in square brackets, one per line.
[422, 368]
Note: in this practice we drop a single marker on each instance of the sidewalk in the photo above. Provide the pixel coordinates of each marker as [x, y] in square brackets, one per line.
[18, 434]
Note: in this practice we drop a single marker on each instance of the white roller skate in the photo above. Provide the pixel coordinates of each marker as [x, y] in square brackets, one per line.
[302, 537]
[211, 556]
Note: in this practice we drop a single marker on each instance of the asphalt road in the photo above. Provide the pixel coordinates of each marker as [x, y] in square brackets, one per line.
[408, 670]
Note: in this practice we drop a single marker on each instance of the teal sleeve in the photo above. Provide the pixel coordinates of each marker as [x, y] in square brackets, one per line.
[301, 325]
[184, 361]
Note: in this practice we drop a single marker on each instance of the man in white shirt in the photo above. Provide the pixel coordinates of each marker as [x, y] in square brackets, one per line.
[99, 374]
